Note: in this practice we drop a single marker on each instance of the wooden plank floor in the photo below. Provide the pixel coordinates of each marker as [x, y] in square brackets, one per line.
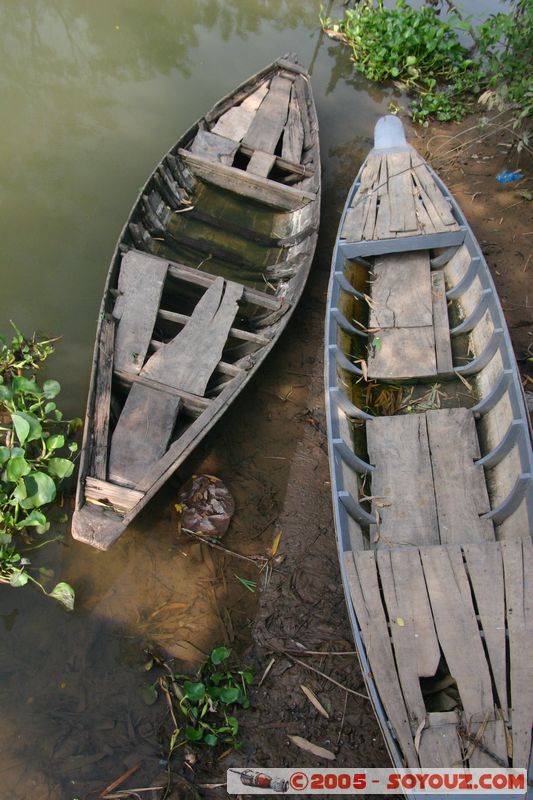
[427, 492]
[408, 319]
[439, 603]
[397, 197]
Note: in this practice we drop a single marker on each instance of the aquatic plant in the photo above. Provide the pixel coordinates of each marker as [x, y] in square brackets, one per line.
[35, 456]
[424, 54]
[206, 704]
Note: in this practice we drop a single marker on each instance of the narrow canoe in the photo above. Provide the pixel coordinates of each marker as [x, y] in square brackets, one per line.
[204, 278]
[432, 471]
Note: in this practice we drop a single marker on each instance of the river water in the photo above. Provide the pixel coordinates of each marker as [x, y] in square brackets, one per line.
[92, 94]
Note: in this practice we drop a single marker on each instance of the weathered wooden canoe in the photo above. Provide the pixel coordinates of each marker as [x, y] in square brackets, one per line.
[431, 466]
[206, 273]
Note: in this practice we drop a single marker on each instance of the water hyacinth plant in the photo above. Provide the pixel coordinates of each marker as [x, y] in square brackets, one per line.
[36, 451]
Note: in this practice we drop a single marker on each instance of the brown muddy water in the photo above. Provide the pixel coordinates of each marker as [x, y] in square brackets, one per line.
[92, 94]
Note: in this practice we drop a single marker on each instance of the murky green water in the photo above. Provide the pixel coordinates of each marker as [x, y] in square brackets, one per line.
[92, 93]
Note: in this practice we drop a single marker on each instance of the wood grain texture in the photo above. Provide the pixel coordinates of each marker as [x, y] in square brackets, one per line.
[485, 569]
[267, 125]
[102, 399]
[261, 163]
[401, 200]
[460, 487]
[402, 353]
[119, 497]
[518, 572]
[140, 285]
[293, 135]
[398, 447]
[235, 122]
[214, 147]
[457, 628]
[401, 291]
[365, 595]
[443, 345]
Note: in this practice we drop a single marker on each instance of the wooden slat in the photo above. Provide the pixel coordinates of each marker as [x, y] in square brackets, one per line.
[518, 572]
[214, 147]
[237, 333]
[140, 285]
[398, 447]
[118, 496]
[432, 191]
[142, 433]
[255, 187]
[443, 346]
[402, 207]
[494, 741]
[457, 628]
[293, 135]
[268, 123]
[382, 229]
[302, 94]
[403, 353]
[365, 595]
[234, 123]
[401, 291]
[261, 163]
[189, 359]
[460, 487]
[283, 164]
[102, 397]
[189, 400]
[356, 216]
[440, 746]
[485, 568]
[416, 649]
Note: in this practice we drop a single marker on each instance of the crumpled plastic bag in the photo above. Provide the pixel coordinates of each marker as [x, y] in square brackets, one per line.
[205, 506]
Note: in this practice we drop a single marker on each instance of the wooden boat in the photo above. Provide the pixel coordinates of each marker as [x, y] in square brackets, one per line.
[432, 471]
[204, 278]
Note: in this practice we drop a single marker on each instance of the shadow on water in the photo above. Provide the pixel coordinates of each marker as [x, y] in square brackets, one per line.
[95, 94]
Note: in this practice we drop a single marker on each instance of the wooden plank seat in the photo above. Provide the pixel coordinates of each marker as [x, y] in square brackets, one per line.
[416, 608]
[408, 319]
[255, 187]
[426, 492]
[185, 363]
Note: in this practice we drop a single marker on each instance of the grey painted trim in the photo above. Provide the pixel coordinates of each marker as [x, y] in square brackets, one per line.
[351, 458]
[472, 320]
[402, 244]
[346, 326]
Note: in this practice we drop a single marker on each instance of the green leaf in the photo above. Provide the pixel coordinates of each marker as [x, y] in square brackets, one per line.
[5, 538]
[34, 518]
[5, 393]
[27, 426]
[25, 386]
[64, 594]
[229, 694]
[194, 691]
[40, 490]
[49, 407]
[220, 654]
[210, 739]
[247, 676]
[16, 468]
[51, 389]
[61, 467]
[394, 72]
[193, 734]
[148, 694]
[18, 578]
[5, 455]
[22, 427]
[410, 60]
[233, 725]
[55, 442]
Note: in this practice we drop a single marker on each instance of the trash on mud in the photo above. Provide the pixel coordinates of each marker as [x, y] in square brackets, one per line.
[509, 177]
[205, 506]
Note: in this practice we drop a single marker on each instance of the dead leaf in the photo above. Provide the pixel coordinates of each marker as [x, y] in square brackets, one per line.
[313, 699]
[275, 544]
[314, 749]
[168, 607]
[364, 370]
[418, 734]
[400, 622]
[267, 670]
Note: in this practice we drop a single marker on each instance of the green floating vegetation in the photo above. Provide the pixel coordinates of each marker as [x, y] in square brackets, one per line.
[424, 54]
[207, 704]
[36, 450]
